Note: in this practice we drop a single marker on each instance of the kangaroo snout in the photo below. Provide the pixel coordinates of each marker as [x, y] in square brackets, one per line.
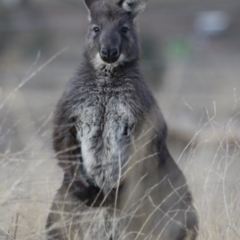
[109, 54]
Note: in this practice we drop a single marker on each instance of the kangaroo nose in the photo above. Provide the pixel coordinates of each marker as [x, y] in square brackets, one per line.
[109, 55]
[113, 52]
[104, 52]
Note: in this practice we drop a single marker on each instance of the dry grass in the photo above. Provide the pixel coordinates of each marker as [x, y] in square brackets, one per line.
[29, 177]
[212, 170]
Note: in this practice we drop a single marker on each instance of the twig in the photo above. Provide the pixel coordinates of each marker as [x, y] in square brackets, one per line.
[16, 228]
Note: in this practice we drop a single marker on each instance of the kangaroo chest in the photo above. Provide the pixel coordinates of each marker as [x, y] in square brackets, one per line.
[105, 125]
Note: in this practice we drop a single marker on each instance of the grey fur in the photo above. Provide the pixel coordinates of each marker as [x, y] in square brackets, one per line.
[109, 135]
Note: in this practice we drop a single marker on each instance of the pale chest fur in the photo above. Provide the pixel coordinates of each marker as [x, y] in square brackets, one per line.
[105, 121]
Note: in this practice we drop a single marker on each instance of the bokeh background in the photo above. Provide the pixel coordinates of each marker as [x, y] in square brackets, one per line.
[191, 61]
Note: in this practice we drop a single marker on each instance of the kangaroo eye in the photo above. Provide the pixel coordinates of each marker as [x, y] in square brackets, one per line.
[96, 29]
[124, 29]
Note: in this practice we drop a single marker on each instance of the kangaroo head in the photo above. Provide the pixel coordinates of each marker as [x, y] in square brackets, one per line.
[112, 36]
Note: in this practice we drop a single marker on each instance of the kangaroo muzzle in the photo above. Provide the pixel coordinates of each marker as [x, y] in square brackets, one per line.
[109, 54]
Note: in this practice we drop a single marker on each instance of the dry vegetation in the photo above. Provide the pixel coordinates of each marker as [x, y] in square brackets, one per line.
[208, 154]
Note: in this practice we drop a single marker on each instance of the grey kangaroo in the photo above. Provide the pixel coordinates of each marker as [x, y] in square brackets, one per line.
[120, 181]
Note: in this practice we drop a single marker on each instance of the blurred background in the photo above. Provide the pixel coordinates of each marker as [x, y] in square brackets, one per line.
[191, 61]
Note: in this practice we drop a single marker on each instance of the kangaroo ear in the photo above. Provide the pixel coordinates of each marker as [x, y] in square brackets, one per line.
[89, 3]
[133, 6]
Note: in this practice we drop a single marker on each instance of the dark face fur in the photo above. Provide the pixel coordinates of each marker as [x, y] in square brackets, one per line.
[112, 35]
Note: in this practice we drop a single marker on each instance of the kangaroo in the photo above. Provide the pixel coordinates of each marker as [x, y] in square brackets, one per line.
[120, 181]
